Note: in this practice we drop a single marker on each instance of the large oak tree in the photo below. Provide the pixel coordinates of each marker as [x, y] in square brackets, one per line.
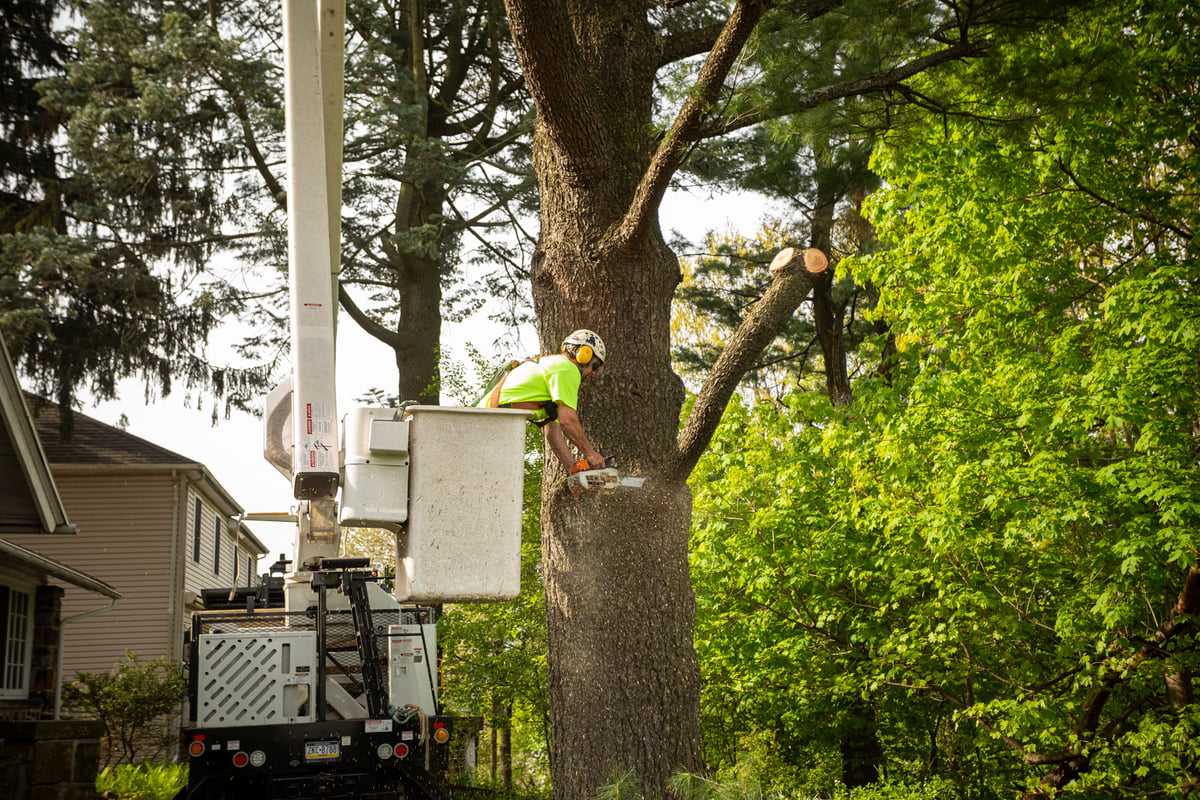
[624, 683]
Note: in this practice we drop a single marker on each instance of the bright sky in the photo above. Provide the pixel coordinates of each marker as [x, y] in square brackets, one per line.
[232, 450]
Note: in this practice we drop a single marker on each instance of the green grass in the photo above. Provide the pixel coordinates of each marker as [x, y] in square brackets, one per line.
[144, 781]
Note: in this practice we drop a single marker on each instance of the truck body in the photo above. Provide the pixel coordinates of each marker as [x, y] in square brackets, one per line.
[328, 702]
[321, 683]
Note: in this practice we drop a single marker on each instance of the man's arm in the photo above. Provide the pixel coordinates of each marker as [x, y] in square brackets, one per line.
[558, 444]
[571, 428]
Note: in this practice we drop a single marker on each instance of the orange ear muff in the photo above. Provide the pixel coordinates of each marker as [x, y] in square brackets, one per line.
[583, 355]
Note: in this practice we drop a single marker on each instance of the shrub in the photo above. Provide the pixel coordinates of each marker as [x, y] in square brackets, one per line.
[136, 703]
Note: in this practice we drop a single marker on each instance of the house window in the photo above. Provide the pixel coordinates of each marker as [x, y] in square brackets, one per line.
[217, 548]
[16, 633]
[196, 533]
[249, 570]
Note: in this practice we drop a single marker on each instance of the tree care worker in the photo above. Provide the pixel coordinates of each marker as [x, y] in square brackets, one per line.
[550, 385]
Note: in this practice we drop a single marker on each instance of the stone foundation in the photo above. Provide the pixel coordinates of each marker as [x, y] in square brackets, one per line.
[50, 760]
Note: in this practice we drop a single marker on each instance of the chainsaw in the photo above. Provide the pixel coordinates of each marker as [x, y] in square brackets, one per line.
[604, 479]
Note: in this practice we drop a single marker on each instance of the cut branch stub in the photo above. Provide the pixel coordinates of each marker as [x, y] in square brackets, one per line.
[814, 260]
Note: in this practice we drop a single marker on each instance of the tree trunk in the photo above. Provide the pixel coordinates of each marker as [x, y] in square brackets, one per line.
[624, 679]
[495, 737]
[417, 276]
[506, 772]
[858, 742]
[829, 314]
[501, 742]
[623, 675]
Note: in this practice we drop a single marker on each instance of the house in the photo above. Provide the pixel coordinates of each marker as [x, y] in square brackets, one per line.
[40, 754]
[152, 523]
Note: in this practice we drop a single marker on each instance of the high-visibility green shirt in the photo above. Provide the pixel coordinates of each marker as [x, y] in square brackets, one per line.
[554, 378]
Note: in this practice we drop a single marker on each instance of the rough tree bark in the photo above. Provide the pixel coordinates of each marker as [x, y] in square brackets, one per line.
[624, 680]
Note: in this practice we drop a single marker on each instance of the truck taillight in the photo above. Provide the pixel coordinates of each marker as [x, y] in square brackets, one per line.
[401, 750]
[196, 748]
[241, 758]
[441, 734]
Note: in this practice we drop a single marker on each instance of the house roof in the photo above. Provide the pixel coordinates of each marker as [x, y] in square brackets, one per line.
[93, 442]
[30, 502]
[58, 569]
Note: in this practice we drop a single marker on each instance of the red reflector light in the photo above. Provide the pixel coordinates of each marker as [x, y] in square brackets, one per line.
[196, 748]
[401, 750]
[240, 759]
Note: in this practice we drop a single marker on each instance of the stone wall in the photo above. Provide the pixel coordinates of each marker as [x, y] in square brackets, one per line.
[49, 759]
[47, 628]
[42, 758]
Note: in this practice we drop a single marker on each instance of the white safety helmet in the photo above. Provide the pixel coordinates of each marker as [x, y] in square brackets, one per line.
[588, 346]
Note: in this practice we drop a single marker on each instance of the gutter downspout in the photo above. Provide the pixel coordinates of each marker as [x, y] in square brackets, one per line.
[58, 658]
[179, 509]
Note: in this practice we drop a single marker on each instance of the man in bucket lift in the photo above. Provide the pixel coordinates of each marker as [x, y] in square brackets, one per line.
[549, 385]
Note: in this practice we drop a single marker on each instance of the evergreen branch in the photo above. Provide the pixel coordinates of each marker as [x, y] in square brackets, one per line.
[486, 244]
[870, 84]
[689, 123]
[482, 147]
[389, 337]
[686, 44]
[444, 129]
[278, 192]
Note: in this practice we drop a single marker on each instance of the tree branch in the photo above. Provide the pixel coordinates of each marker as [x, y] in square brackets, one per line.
[689, 123]
[1182, 232]
[685, 44]
[867, 84]
[380, 332]
[1180, 623]
[791, 285]
[673, 148]
[556, 75]
[276, 189]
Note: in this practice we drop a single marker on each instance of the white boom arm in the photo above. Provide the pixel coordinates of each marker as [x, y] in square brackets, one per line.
[313, 49]
[448, 550]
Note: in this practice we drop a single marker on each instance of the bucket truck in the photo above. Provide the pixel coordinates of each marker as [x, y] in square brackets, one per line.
[335, 695]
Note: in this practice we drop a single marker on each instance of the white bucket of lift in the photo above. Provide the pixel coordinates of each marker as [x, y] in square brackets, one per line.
[462, 542]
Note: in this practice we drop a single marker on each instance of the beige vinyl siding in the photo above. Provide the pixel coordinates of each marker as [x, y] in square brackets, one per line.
[199, 574]
[247, 566]
[135, 533]
[125, 526]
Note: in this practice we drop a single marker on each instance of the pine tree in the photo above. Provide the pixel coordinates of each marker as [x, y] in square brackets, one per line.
[79, 307]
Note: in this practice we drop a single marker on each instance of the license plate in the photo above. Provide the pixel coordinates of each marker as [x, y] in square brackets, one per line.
[322, 751]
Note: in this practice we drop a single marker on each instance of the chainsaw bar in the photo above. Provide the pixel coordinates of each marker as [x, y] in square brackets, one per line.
[606, 480]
